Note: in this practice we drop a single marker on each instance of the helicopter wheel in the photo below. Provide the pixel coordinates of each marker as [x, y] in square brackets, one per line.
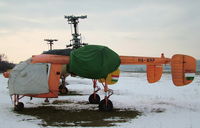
[63, 90]
[19, 106]
[94, 98]
[106, 105]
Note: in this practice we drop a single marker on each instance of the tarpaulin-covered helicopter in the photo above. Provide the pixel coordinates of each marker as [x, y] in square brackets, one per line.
[40, 75]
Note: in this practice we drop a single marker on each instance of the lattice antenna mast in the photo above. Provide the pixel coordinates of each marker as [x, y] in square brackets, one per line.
[50, 42]
[76, 40]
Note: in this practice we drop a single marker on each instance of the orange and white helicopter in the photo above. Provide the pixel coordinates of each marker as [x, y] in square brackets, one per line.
[40, 75]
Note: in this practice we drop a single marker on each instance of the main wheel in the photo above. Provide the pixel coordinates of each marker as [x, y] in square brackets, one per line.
[94, 99]
[103, 106]
[19, 107]
[63, 90]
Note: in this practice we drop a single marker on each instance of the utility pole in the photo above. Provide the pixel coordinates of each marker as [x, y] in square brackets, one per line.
[50, 42]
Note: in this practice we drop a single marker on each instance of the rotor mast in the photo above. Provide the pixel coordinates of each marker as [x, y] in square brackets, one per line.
[76, 40]
[50, 42]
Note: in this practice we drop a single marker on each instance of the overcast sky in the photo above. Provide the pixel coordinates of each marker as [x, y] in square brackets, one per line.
[129, 27]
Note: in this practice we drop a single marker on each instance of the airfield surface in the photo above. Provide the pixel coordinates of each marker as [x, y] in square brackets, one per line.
[136, 104]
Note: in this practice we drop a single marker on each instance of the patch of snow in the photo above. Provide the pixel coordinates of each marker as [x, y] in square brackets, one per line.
[162, 104]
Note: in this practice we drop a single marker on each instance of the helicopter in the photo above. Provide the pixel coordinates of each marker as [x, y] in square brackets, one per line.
[40, 75]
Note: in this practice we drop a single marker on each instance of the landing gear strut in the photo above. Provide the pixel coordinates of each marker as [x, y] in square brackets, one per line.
[18, 106]
[106, 104]
[62, 88]
[95, 98]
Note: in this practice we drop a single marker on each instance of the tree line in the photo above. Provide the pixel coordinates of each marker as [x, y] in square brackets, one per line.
[4, 64]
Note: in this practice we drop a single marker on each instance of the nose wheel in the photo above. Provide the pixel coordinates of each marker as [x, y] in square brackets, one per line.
[94, 98]
[106, 105]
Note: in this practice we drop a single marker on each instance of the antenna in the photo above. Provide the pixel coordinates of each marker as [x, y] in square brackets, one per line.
[50, 42]
[76, 40]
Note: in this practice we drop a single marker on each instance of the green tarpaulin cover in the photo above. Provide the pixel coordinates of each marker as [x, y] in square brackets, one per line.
[93, 61]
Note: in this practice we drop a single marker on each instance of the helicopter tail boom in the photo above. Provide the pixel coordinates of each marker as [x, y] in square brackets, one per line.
[183, 67]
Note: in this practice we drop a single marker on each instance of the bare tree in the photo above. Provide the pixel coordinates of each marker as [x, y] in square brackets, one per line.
[3, 57]
[4, 64]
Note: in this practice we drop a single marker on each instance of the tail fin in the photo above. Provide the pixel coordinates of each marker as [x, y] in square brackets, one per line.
[183, 69]
[154, 73]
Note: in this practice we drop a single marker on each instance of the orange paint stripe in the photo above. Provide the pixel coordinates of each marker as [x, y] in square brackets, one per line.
[47, 58]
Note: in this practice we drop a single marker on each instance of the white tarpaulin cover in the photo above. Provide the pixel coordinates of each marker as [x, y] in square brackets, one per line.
[27, 78]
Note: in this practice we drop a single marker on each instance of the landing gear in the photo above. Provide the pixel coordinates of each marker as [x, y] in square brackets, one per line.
[46, 100]
[94, 98]
[18, 106]
[62, 88]
[105, 105]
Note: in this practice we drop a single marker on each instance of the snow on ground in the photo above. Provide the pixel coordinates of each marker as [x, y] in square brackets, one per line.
[8, 119]
[181, 105]
[162, 104]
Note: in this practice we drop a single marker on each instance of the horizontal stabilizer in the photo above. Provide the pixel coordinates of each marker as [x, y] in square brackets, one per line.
[154, 73]
[183, 69]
